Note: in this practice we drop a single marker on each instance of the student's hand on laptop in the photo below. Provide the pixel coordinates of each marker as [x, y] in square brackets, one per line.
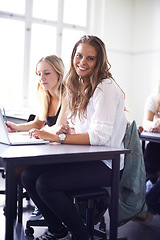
[36, 133]
[11, 127]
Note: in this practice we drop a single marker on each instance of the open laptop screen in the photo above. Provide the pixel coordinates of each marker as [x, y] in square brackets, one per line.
[16, 138]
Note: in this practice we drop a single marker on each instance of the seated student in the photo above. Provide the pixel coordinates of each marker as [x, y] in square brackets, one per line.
[151, 123]
[50, 71]
[96, 117]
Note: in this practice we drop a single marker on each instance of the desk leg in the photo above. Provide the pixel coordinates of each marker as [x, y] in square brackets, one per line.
[114, 198]
[11, 202]
[143, 146]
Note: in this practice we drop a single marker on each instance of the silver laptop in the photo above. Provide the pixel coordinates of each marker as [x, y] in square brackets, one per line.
[16, 138]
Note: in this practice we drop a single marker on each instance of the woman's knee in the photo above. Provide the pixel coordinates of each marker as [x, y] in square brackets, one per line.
[27, 177]
[42, 185]
[18, 172]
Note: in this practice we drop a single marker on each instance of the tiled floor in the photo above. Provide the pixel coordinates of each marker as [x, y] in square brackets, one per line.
[131, 230]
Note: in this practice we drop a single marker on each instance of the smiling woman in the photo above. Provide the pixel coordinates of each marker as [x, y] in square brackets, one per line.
[85, 60]
[89, 90]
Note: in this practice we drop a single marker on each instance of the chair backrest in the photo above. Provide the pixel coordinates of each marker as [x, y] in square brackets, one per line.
[132, 190]
[31, 117]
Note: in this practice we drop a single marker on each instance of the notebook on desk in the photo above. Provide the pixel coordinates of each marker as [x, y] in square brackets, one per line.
[16, 138]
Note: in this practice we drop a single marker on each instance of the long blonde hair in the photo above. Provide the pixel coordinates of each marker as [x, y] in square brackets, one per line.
[44, 97]
[80, 91]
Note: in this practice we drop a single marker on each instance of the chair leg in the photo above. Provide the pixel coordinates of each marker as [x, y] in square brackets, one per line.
[90, 218]
[3, 176]
[102, 225]
[2, 192]
[20, 203]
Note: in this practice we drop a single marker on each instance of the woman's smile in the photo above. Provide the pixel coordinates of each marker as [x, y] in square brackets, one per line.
[85, 60]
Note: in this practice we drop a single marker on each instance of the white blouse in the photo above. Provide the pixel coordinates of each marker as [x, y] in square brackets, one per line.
[105, 122]
[151, 104]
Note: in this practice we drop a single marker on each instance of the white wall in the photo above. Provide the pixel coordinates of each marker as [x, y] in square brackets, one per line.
[131, 32]
[146, 53]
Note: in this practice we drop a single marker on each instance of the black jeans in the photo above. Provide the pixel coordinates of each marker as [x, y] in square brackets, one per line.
[49, 187]
[152, 161]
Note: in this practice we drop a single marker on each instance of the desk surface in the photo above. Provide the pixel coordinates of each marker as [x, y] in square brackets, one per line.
[51, 150]
[150, 136]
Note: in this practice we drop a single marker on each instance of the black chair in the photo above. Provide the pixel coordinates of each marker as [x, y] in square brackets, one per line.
[90, 196]
[2, 191]
[20, 193]
[20, 196]
[2, 171]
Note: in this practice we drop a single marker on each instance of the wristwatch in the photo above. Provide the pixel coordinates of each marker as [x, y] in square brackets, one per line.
[62, 137]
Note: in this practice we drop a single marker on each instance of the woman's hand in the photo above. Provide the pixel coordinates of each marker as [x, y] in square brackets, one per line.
[64, 128]
[11, 127]
[155, 130]
[156, 127]
[36, 133]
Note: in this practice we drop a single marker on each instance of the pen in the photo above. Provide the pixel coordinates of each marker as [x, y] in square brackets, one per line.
[4, 114]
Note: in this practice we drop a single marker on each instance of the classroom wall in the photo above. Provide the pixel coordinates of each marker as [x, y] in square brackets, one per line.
[146, 52]
[131, 32]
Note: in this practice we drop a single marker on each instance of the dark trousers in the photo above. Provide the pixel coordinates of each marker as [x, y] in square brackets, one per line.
[49, 187]
[152, 161]
[153, 199]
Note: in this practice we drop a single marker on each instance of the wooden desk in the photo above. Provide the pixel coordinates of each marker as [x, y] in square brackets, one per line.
[13, 156]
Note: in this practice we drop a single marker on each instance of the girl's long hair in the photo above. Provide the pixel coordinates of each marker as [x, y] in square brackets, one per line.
[44, 97]
[80, 91]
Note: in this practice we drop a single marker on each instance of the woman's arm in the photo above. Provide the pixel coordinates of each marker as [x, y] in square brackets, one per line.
[61, 126]
[148, 120]
[82, 138]
[149, 123]
[12, 127]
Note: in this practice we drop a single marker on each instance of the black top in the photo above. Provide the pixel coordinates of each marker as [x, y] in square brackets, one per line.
[52, 120]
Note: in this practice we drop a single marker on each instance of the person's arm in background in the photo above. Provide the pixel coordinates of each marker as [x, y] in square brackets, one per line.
[36, 123]
[150, 120]
[149, 123]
